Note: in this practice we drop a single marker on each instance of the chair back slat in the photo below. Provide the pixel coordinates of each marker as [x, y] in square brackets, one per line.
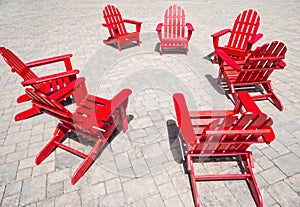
[113, 18]
[245, 27]
[174, 23]
[260, 64]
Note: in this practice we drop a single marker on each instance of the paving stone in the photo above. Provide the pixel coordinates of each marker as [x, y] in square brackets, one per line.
[283, 194]
[113, 185]
[154, 200]
[264, 162]
[90, 193]
[167, 190]
[113, 199]
[294, 182]
[288, 163]
[68, 199]
[46, 203]
[140, 203]
[174, 201]
[33, 190]
[55, 190]
[138, 188]
[272, 175]
[58, 176]
[11, 200]
[12, 189]
[8, 172]
[7, 149]
[24, 173]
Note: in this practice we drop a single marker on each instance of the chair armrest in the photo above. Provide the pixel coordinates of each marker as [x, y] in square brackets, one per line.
[248, 103]
[120, 98]
[254, 39]
[190, 27]
[49, 77]
[48, 60]
[220, 33]
[227, 59]
[159, 27]
[132, 21]
[281, 64]
[111, 26]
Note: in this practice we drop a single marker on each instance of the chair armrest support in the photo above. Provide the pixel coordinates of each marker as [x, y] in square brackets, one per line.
[120, 99]
[65, 58]
[49, 77]
[190, 27]
[281, 64]
[227, 59]
[220, 33]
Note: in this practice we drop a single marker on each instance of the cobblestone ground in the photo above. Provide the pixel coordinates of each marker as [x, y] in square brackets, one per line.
[142, 167]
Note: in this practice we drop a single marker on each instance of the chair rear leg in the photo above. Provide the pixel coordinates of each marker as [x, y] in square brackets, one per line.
[247, 160]
[88, 161]
[193, 181]
[269, 89]
[119, 45]
[59, 134]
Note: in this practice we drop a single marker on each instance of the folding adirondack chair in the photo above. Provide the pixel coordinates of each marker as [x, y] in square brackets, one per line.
[95, 118]
[226, 134]
[242, 35]
[172, 32]
[116, 28]
[46, 84]
[255, 70]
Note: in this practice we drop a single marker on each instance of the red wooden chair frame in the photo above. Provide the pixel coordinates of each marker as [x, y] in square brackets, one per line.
[226, 133]
[242, 35]
[46, 84]
[255, 70]
[117, 29]
[95, 118]
[171, 33]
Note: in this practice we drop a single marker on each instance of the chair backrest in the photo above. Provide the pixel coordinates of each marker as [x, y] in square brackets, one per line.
[48, 105]
[244, 28]
[174, 22]
[19, 67]
[262, 61]
[234, 132]
[113, 18]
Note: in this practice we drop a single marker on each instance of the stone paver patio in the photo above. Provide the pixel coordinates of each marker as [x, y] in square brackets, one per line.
[142, 167]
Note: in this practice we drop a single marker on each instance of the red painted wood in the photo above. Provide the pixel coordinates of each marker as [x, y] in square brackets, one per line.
[117, 29]
[227, 136]
[173, 33]
[242, 35]
[95, 118]
[255, 70]
[47, 84]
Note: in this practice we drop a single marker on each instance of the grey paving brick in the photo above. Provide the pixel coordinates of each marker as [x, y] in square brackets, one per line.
[12, 189]
[55, 190]
[8, 172]
[174, 201]
[272, 175]
[33, 190]
[288, 163]
[68, 199]
[13, 200]
[90, 193]
[24, 173]
[113, 185]
[283, 194]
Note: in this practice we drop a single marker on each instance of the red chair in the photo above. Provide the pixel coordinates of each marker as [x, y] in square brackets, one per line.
[95, 118]
[172, 33]
[255, 70]
[228, 134]
[242, 35]
[46, 84]
[117, 30]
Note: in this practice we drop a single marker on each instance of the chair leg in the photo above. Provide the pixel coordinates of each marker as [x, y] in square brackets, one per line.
[190, 164]
[269, 89]
[59, 134]
[88, 161]
[124, 119]
[27, 113]
[119, 46]
[247, 159]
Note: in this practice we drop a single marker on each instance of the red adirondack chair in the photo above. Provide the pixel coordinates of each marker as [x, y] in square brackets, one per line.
[116, 28]
[95, 118]
[172, 33]
[228, 133]
[242, 35]
[46, 84]
[255, 70]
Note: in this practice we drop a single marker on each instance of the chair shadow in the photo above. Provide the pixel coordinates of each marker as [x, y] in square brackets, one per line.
[169, 51]
[176, 143]
[89, 142]
[209, 57]
[214, 83]
[124, 46]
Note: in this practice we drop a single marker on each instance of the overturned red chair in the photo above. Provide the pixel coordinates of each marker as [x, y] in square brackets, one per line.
[242, 35]
[254, 71]
[95, 118]
[172, 33]
[46, 84]
[227, 133]
[117, 29]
